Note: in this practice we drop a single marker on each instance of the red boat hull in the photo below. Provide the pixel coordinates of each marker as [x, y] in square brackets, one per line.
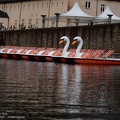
[27, 57]
[49, 59]
[6, 56]
[39, 58]
[97, 61]
[15, 57]
[68, 60]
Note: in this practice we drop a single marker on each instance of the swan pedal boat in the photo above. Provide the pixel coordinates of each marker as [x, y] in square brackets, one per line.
[64, 59]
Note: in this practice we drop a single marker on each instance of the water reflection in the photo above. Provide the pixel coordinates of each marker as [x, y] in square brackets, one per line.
[36, 90]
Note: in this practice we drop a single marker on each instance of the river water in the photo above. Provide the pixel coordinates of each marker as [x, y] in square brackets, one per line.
[48, 91]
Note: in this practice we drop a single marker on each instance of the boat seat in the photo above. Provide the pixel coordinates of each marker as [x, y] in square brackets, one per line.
[51, 49]
[107, 54]
[40, 49]
[72, 50]
[1, 47]
[60, 49]
[89, 51]
[98, 53]
[83, 50]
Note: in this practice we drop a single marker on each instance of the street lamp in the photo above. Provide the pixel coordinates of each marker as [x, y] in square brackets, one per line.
[43, 20]
[109, 18]
[57, 19]
[76, 21]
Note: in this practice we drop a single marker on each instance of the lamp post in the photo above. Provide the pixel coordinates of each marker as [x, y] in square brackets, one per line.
[57, 19]
[43, 20]
[76, 21]
[109, 18]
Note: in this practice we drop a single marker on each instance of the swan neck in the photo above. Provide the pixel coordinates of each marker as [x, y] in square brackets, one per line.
[66, 47]
[79, 47]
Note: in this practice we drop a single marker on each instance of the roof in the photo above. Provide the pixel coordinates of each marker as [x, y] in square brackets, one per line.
[3, 14]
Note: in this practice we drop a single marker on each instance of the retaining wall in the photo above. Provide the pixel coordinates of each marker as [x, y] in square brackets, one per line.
[106, 36]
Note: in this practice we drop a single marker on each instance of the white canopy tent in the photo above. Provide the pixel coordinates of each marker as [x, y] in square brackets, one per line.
[76, 13]
[105, 15]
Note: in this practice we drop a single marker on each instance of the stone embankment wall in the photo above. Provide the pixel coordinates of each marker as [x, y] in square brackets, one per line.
[106, 36]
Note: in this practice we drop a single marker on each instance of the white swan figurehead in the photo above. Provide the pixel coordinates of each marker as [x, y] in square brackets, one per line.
[65, 49]
[78, 53]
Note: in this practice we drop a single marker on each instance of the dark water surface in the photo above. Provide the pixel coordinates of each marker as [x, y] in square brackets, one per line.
[48, 91]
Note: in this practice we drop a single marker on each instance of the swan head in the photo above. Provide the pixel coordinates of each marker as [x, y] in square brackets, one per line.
[76, 39]
[63, 39]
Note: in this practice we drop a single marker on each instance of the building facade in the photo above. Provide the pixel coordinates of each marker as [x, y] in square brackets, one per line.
[27, 14]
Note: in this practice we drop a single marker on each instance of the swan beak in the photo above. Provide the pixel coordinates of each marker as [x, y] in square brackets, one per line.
[75, 41]
[61, 41]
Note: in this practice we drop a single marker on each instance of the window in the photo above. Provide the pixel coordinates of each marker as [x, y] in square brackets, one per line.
[37, 5]
[28, 6]
[23, 21]
[18, 7]
[36, 23]
[30, 22]
[47, 5]
[57, 4]
[6, 8]
[62, 4]
[10, 8]
[102, 7]
[42, 5]
[23, 7]
[52, 23]
[15, 25]
[87, 4]
[52, 4]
